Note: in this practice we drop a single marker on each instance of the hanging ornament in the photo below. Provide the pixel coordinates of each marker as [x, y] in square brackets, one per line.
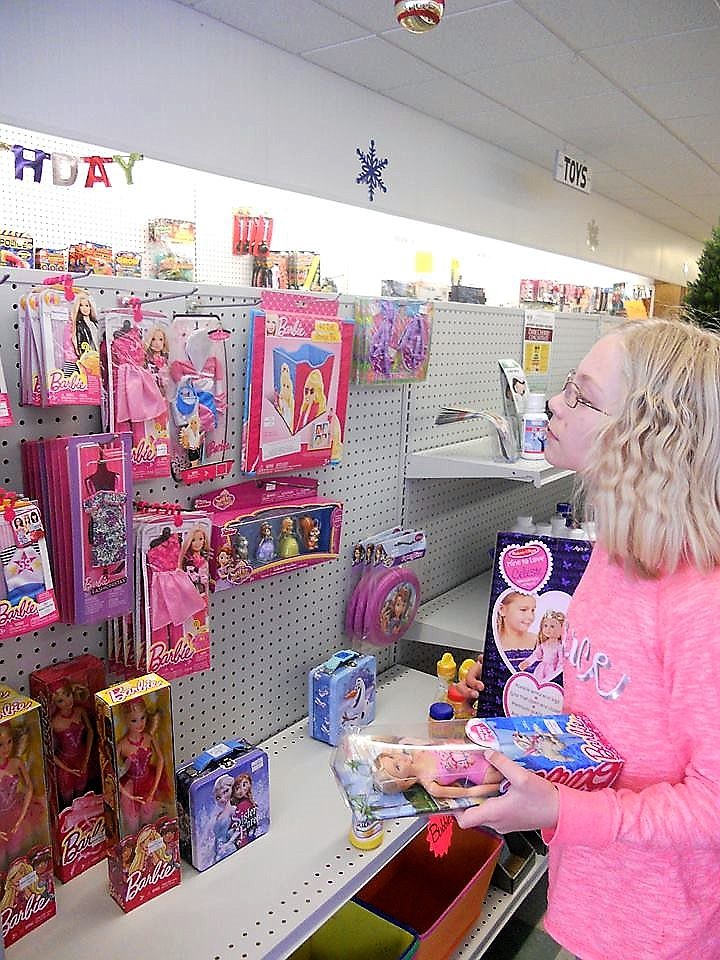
[419, 16]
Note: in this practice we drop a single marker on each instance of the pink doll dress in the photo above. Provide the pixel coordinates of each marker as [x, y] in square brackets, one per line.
[462, 767]
[137, 395]
[138, 779]
[550, 661]
[173, 596]
[29, 832]
[70, 749]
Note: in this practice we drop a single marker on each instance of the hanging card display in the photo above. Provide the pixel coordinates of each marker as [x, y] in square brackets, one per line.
[297, 383]
[532, 582]
[27, 597]
[392, 341]
[197, 397]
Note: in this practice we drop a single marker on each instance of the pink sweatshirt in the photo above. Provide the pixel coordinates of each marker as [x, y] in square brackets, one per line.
[635, 870]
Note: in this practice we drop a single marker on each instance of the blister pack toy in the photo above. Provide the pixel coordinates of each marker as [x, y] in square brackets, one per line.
[392, 341]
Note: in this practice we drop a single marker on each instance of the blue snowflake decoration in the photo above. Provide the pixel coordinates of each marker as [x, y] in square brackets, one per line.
[371, 168]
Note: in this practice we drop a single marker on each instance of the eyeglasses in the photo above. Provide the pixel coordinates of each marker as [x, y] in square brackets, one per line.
[573, 397]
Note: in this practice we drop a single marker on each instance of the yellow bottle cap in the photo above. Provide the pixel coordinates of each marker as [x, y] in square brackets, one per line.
[446, 667]
[465, 668]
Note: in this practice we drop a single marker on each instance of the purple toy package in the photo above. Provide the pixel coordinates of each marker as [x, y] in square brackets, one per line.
[532, 583]
[100, 480]
[392, 341]
[223, 802]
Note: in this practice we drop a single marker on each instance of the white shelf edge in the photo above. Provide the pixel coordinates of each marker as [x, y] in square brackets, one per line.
[457, 618]
[471, 459]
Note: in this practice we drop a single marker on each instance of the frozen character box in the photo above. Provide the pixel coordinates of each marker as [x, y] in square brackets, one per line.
[341, 695]
[66, 692]
[223, 801]
[387, 772]
[533, 579]
[138, 774]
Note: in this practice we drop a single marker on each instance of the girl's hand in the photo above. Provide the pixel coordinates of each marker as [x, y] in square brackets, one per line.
[530, 803]
[472, 685]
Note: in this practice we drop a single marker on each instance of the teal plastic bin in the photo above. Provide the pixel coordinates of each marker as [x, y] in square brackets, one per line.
[358, 933]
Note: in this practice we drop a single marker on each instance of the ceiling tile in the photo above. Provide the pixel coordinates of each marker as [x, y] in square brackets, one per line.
[533, 81]
[697, 128]
[500, 33]
[631, 147]
[701, 205]
[709, 150]
[379, 15]
[686, 98]
[589, 23]
[695, 227]
[442, 97]
[311, 25]
[682, 56]
[373, 63]
[614, 184]
[603, 111]
[691, 176]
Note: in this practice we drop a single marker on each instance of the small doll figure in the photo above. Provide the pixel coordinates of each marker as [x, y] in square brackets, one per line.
[287, 541]
[80, 351]
[224, 827]
[142, 780]
[240, 546]
[309, 532]
[194, 560]
[547, 653]
[191, 438]
[157, 352]
[286, 396]
[443, 773]
[314, 402]
[16, 796]
[224, 561]
[244, 809]
[73, 737]
[265, 551]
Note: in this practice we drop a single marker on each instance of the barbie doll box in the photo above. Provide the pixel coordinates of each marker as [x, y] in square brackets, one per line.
[341, 695]
[223, 801]
[138, 774]
[66, 692]
[27, 892]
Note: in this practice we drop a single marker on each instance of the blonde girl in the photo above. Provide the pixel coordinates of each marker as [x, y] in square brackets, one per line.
[314, 402]
[548, 649]
[514, 617]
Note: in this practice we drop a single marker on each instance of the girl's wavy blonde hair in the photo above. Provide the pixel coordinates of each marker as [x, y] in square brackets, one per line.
[654, 473]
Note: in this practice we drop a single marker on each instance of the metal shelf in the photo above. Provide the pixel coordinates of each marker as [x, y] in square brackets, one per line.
[473, 459]
[456, 618]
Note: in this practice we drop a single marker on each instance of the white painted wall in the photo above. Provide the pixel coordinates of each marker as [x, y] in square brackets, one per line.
[154, 76]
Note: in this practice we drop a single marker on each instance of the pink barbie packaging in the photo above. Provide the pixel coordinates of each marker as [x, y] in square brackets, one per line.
[66, 692]
[27, 596]
[266, 527]
[69, 359]
[297, 384]
[6, 417]
[27, 892]
[138, 774]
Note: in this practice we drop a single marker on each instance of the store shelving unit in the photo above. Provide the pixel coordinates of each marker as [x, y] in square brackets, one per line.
[263, 902]
[471, 459]
[455, 619]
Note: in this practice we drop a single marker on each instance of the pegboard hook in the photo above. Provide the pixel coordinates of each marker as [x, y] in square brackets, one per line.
[4, 279]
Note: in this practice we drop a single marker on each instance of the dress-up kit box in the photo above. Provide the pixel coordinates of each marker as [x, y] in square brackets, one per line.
[296, 389]
[223, 802]
[533, 580]
[27, 892]
[138, 774]
[341, 695]
[66, 691]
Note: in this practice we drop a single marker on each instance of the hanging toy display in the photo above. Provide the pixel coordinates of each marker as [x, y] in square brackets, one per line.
[419, 16]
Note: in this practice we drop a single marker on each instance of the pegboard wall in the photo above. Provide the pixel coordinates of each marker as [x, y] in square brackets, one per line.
[267, 636]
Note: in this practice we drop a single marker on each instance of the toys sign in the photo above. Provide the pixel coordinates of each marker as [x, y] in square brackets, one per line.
[573, 173]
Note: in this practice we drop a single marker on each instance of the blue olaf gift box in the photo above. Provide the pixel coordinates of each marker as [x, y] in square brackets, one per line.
[341, 695]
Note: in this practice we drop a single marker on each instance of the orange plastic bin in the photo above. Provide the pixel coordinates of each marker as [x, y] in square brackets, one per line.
[440, 898]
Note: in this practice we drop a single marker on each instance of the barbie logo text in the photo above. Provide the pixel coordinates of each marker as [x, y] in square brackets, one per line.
[160, 656]
[58, 381]
[141, 685]
[10, 614]
[137, 882]
[293, 328]
[594, 779]
[78, 841]
[216, 446]
[144, 452]
[12, 709]
[10, 918]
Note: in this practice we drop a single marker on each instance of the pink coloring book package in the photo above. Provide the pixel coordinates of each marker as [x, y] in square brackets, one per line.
[296, 389]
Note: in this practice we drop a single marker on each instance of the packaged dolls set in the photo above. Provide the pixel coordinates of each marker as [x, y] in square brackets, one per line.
[262, 528]
[533, 578]
[85, 487]
[58, 338]
[385, 772]
[296, 388]
[170, 630]
[341, 695]
[223, 801]
[392, 341]
[27, 891]
[138, 776]
[27, 595]
[66, 693]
